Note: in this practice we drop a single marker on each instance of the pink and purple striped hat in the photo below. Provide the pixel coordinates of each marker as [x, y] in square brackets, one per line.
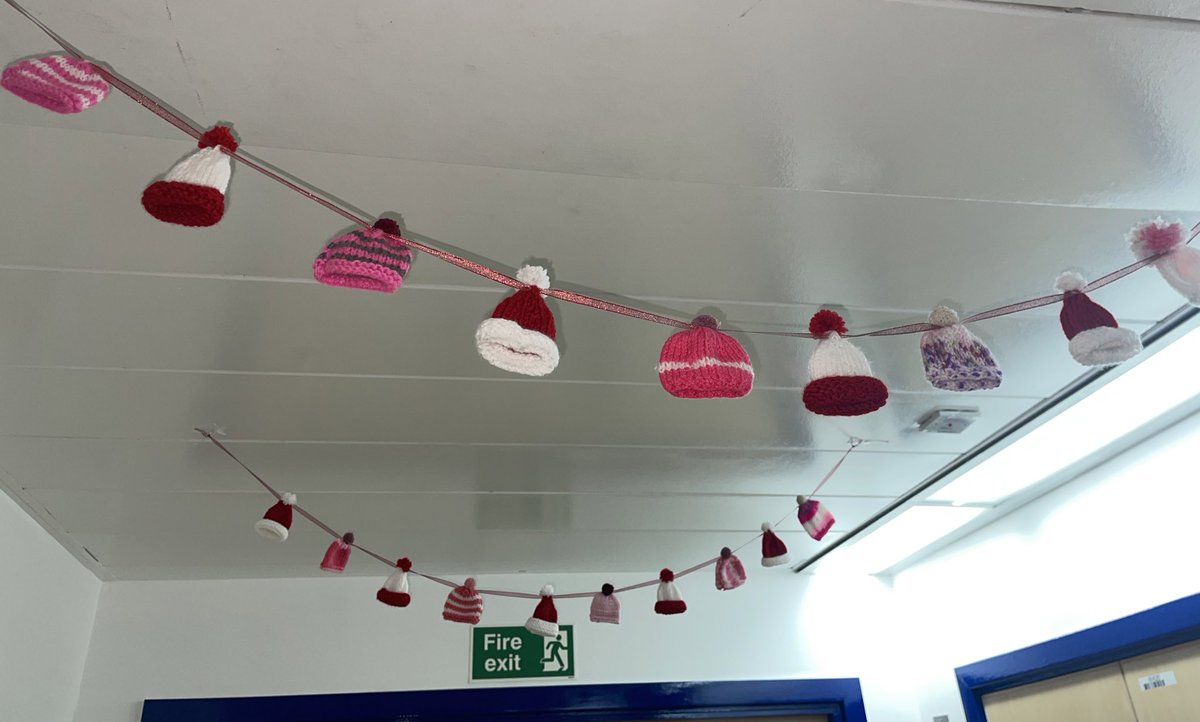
[372, 259]
[56, 82]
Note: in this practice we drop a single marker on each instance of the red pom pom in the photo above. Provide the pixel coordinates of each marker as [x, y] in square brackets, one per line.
[726, 552]
[825, 322]
[219, 135]
[387, 225]
[666, 575]
[404, 564]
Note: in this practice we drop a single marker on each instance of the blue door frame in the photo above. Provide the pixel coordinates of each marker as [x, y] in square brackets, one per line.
[1158, 628]
[840, 699]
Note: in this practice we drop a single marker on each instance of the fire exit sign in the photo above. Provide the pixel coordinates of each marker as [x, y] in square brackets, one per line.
[515, 652]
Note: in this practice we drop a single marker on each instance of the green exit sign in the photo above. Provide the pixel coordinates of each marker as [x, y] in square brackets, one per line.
[516, 652]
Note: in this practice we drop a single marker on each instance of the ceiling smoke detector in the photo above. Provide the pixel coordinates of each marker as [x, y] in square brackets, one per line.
[947, 421]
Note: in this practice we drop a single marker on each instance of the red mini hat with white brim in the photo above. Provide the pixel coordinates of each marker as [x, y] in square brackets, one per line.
[519, 337]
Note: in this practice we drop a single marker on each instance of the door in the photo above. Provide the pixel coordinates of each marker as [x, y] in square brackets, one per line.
[1165, 685]
[1093, 695]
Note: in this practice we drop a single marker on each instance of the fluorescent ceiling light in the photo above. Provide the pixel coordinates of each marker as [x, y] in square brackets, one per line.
[914, 529]
[1154, 387]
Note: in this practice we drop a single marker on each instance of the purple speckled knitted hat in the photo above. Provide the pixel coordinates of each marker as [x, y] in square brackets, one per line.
[956, 359]
[366, 258]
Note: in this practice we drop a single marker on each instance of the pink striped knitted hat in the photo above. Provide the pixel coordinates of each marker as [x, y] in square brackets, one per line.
[56, 82]
[816, 519]
[464, 604]
[703, 363]
[730, 572]
[372, 259]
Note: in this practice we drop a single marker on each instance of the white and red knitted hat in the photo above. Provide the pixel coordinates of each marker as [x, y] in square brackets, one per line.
[669, 601]
[56, 82]
[703, 363]
[774, 551]
[394, 591]
[730, 572]
[840, 379]
[464, 604]
[277, 522]
[519, 337]
[606, 608]
[544, 621]
[193, 192]
[1178, 262]
[815, 518]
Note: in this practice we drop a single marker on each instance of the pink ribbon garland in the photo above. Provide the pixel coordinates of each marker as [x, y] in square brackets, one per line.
[389, 561]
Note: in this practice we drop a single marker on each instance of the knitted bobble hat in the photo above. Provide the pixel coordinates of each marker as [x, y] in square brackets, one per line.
[56, 82]
[669, 601]
[544, 621]
[394, 591]
[373, 259]
[1179, 264]
[956, 359]
[338, 554]
[815, 518]
[774, 551]
[519, 337]
[730, 572]
[277, 522]
[840, 382]
[464, 604]
[1094, 338]
[703, 363]
[193, 192]
[606, 608]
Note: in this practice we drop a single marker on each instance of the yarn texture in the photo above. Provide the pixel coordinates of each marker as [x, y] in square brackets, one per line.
[1180, 267]
[669, 601]
[464, 604]
[703, 363]
[606, 608]
[55, 82]
[730, 573]
[192, 193]
[956, 359]
[544, 621]
[1093, 336]
[365, 258]
[519, 337]
[841, 383]
[394, 591]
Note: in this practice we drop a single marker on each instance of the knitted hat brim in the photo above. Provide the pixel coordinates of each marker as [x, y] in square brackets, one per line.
[731, 583]
[461, 618]
[542, 627]
[270, 529]
[393, 599]
[818, 530]
[776, 561]
[845, 395]
[981, 379]
[1104, 346]
[604, 619]
[356, 274]
[716, 380]
[184, 204]
[505, 345]
[670, 606]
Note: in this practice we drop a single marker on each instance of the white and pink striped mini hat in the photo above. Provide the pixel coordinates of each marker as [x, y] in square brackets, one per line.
[56, 82]
[464, 604]
[703, 363]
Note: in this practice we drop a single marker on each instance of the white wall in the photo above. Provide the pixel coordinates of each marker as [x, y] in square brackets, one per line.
[47, 604]
[1117, 540]
[267, 637]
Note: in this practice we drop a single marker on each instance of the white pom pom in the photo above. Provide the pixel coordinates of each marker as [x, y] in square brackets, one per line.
[766, 526]
[943, 316]
[801, 499]
[534, 276]
[548, 591]
[1070, 281]
[288, 498]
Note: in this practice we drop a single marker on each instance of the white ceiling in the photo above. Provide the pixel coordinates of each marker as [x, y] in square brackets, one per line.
[752, 159]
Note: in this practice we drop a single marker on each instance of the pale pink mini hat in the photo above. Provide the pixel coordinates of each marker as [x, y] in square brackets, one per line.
[56, 82]
[606, 608]
[816, 519]
[730, 572]
[338, 553]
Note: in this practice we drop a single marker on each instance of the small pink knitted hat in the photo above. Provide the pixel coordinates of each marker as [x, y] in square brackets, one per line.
[703, 363]
[730, 572]
[372, 259]
[464, 604]
[606, 608]
[338, 554]
[816, 519]
[56, 82]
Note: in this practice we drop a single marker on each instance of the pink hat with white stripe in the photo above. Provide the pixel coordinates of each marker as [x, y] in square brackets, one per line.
[56, 82]
[703, 363]
[464, 604]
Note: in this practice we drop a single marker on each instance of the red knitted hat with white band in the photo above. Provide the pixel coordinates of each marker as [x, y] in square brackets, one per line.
[841, 383]
[277, 522]
[544, 621]
[774, 551]
[1094, 337]
[394, 591]
[519, 337]
[193, 192]
[669, 601]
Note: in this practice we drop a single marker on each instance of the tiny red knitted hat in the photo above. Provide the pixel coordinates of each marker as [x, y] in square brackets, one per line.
[193, 192]
[394, 591]
[840, 379]
[277, 522]
[544, 621]
[519, 337]
[338, 553]
[774, 551]
[669, 601]
[1094, 337]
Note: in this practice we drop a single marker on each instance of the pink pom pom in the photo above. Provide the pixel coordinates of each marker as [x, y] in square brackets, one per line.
[470, 584]
[666, 575]
[1155, 237]
[825, 322]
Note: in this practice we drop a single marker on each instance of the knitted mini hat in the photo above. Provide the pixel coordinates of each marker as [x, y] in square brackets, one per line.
[815, 518]
[276, 523]
[338, 553]
[703, 363]
[56, 82]
[840, 383]
[372, 259]
[464, 604]
[606, 608]
[1180, 264]
[519, 337]
[193, 192]
[669, 601]
[394, 591]
[956, 359]
[774, 551]
[544, 621]
[730, 572]
[1095, 339]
